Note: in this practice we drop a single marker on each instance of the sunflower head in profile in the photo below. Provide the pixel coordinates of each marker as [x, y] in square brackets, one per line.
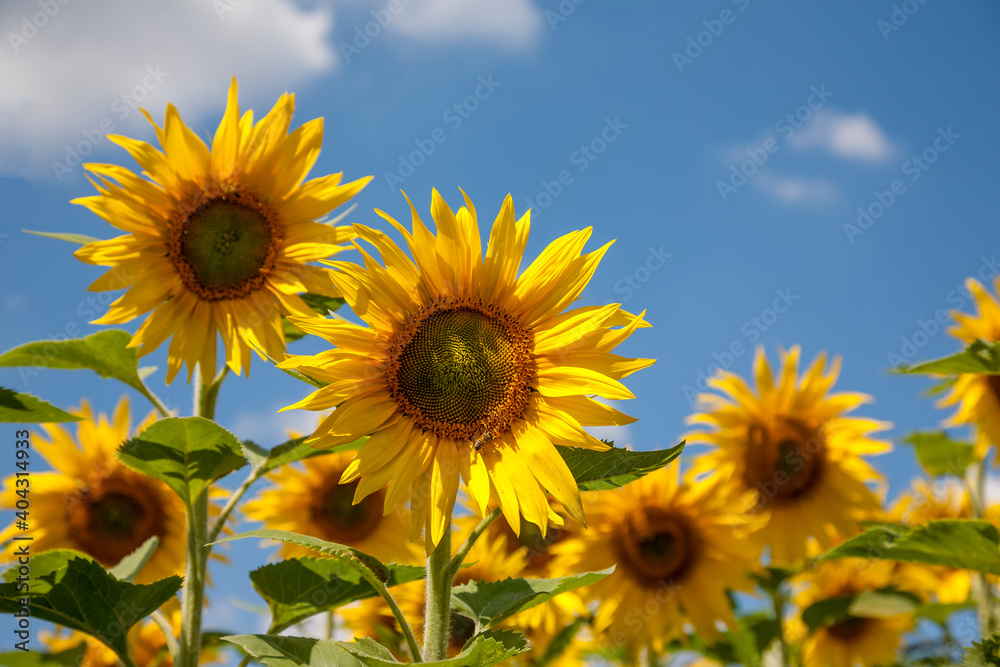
[923, 502]
[218, 240]
[678, 547]
[791, 446]
[851, 641]
[309, 499]
[91, 502]
[466, 369]
[977, 396]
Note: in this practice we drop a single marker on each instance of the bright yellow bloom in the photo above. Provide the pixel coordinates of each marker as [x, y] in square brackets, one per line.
[92, 503]
[678, 547]
[854, 641]
[977, 396]
[792, 447]
[930, 502]
[467, 369]
[311, 501]
[219, 241]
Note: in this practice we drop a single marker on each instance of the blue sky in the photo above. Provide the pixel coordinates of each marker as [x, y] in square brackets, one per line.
[640, 119]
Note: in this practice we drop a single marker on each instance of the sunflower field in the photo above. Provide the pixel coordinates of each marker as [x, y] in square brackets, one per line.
[454, 493]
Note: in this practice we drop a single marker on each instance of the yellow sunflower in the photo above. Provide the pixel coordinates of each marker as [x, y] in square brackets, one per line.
[792, 447]
[92, 503]
[219, 240]
[467, 369]
[678, 549]
[977, 396]
[854, 641]
[929, 502]
[310, 500]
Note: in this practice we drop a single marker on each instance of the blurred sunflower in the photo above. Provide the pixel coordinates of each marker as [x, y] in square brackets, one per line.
[977, 396]
[219, 239]
[928, 502]
[92, 503]
[311, 500]
[679, 549]
[852, 641]
[467, 369]
[791, 447]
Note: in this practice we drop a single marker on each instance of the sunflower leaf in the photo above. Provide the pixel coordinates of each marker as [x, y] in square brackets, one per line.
[940, 611]
[979, 357]
[560, 643]
[26, 409]
[298, 588]
[130, 566]
[882, 604]
[275, 651]
[939, 454]
[264, 460]
[83, 596]
[487, 648]
[44, 563]
[104, 352]
[595, 471]
[827, 612]
[490, 603]
[968, 544]
[69, 658]
[324, 305]
[187, 453]
[356, 559]
[79, 239]
[985, 653]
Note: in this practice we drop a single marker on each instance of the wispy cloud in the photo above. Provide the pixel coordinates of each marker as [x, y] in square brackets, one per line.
[512, 23]
[796, 189]
[848, 136]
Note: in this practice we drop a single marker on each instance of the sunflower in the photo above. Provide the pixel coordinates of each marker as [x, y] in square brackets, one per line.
[977, 396]
[219, 241]
[92, 503]
[792, 447]
[678, 549]
[311, 501]
[853, 641]
[928, 502]
[467, 369]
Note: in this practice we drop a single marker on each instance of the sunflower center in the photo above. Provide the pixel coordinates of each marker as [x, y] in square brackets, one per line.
[655, 546]
[224, 246]
[114, 517]
[849, 628]
[342, 520]
[784, 461]
[461, 370]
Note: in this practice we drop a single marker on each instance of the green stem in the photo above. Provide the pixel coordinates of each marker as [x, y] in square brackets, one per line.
[157, 402]
[456, 563]
[380, 588]
[778, 600]
[168, 633]
[330, 625]
[652, 659]
[231, 504]
[437, 606]
[977, 493]
[245, 661]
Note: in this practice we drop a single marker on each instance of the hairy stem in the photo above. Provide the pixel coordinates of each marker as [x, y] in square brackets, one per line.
[437, 616]
[463, 551]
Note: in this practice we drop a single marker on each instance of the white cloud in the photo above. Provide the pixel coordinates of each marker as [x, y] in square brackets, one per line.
[796, 190]
[848, 136]
[620, 435]
[512, 23]
[67, 77]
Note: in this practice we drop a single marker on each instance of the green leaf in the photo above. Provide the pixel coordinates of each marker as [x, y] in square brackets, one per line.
[596, 471]
[131, 565]
[298, 588]
[84, 597]
[939, 611]
[44, 563]
[26, 409]
[78, 239]
[489, 603]
[939, 454]
[324, 305]
[882, 604]
[969, 544]
[827, 612]
[979, 357]
[72, 657]
[560, 643]
[276, 651]
[772, 577]
[487, 648]
[298, 449]
[356, 559]
[983, 654]
[187, 453]
[103, 352]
